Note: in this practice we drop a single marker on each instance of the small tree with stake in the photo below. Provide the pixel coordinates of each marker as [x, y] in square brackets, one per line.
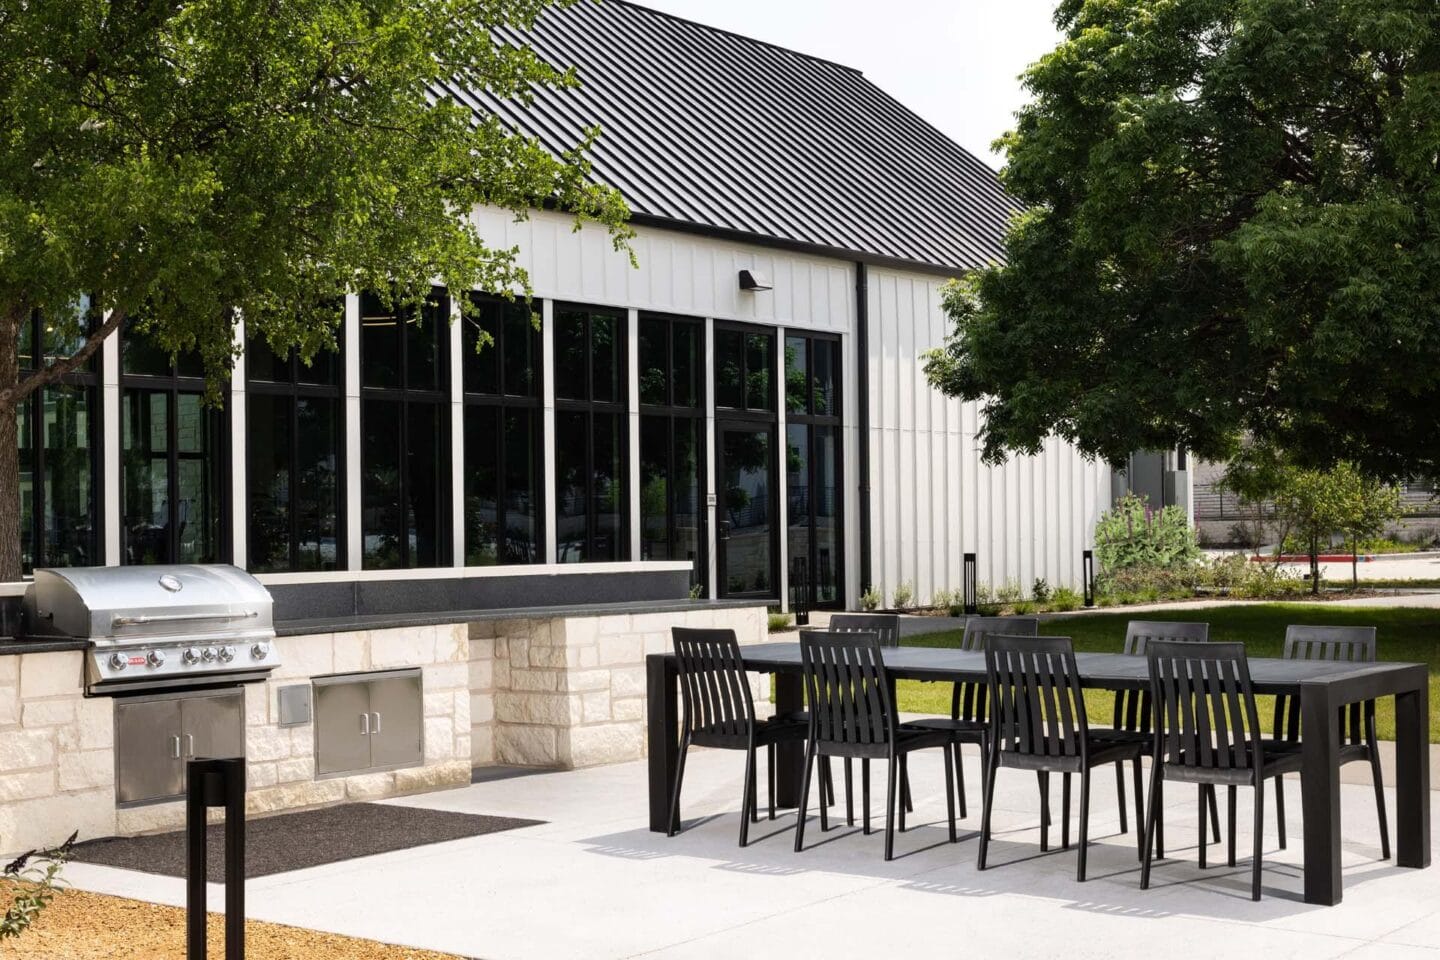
[187, 163]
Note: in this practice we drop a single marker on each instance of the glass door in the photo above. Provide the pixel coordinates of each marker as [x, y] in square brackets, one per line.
[745, 508]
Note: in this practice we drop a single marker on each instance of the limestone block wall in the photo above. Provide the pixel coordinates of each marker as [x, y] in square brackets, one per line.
[570, 691]
[57, 761]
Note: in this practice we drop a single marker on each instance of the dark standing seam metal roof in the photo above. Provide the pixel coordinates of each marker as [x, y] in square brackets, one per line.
[702, 129]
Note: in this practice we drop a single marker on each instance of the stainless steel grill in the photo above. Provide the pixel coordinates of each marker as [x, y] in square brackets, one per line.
[154, 627]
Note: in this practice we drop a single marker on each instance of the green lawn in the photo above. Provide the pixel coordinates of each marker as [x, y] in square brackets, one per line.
[1405, 633]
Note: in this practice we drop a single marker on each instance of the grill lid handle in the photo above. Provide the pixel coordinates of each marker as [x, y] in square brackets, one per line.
[181, 618]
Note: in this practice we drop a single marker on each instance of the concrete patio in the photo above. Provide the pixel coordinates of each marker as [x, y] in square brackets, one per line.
[593, 883]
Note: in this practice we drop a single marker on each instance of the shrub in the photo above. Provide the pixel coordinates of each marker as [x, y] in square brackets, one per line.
[1023, 608]
[778, 622]
[1065, 599]
[904, 593]
[870, 600]
[1009, 594]
[943, 600]
[1133, 536]
[29, 883]
[1040, 590]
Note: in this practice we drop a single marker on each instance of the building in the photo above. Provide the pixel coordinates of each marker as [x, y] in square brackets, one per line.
[741, 417]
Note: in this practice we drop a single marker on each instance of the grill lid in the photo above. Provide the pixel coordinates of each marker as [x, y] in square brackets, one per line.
[213, 602]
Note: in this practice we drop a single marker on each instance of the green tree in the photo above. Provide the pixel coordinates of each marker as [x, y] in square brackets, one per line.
[189, 162]
[1231, 226]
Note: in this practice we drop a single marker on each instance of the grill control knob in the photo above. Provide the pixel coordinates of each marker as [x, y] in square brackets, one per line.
[260, 651]
[191, 655]
[227, 654]
[156, 658]
[208, 654]
[118, 661]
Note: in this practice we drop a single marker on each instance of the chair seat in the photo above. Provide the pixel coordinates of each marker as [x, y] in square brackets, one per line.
[965, 731]
[1349, 752]
[1284, 758]
[781, 729]
[1100, 752]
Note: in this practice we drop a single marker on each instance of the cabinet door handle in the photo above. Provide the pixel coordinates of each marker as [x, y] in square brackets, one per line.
[376, 727]
[189, 744]
[175, 748]
[364, 724]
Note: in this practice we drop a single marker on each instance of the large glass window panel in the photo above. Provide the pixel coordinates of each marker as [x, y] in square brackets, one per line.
[611, 534]
[607, 342]
[572, 485]
[483, 536]
[729, 369]
[426, 487]
[426, 332]
[382, 513]
[380, 342]
[825, 378]
[173, 484]
[57, 495]
[520, 351]
[798, 502]
[481, 364]
[267, 482]
[797, 375]
[197, 482]
[655, 489]
[688, 348]
[262, 363]
[145, 457]
[523, 485]
[28, 486]
[571, 355]
[746, 534]
[825, 507]
[758, 367]
[654, 362]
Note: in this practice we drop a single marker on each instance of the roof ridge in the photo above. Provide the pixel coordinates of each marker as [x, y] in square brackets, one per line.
[732, 33]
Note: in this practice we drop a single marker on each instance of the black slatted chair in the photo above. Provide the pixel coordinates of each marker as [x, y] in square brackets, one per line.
[719, 711]
[852, 714]
[886, 627]
[969, 721]
[1132, 716]
[1207, 732]
[1357, 720]
[1038, 722]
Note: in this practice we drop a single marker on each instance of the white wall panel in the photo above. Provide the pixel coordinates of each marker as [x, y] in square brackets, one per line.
[932, 499]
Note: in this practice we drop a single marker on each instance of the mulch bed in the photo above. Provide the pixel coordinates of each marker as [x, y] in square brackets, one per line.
[294, 841]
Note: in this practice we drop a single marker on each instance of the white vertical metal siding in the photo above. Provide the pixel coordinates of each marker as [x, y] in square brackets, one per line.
[932, 500]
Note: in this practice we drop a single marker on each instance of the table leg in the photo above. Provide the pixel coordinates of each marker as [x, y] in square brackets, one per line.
[1412, 777]
[662, 717]
[789, 755]
[1320, 794]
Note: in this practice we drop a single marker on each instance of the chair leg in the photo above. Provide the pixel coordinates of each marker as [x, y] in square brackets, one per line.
[1214, 813]
[950, 788]
[1379, 786]
[752, 786]
[986, 796]
[1138, 782]
[849, 793]
[1230, 807]
[1084, 821]
[1044, 811]
[904, 774]
[890, 804]
[1159, 801]
[1280, 808]
[675, 793]
[829, 797]
[1259, 841]
[804, 797]
[770, 761]
[1203, 794]
[1120, 792]
[865, 793]
[824, 806]
[1065, 811]
[1151, 825]
[958, 760]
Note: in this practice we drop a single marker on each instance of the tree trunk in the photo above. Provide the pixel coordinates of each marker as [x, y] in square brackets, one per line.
[1315, 565]
[1355, 565]
[9, 450]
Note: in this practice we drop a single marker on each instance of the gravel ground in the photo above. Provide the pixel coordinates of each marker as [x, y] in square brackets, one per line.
[88, 926]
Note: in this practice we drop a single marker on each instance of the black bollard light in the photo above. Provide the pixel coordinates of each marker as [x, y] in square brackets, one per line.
[1087, 574]
[215, 783]
[800, 591]
[971, 606]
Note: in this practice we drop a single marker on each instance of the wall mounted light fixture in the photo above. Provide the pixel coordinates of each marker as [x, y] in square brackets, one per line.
[754, 280]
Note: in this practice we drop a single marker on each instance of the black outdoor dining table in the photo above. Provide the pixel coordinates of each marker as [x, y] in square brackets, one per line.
[1322, 686]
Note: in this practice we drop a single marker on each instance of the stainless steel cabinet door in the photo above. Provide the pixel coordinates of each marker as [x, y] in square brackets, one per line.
[342, 727]
[396, 721]
[148, 748]
[214, 725]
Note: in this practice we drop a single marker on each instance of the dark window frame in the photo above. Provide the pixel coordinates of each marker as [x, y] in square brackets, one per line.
[590, 407]
[173, 384]
[501, 401]
[87, 378]
[809, 419]
[407, 396]
[294, 390]
[672, 412]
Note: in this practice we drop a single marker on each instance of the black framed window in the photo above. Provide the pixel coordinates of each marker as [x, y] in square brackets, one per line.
[404, 432]
[744, 370]
[174, 458]
[504, 433]
[58, 428]
[813, 467]
[672, 441]
[295, 447]
[592, 515]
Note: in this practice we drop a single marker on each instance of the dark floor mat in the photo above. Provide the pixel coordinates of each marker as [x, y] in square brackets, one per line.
[294, 841]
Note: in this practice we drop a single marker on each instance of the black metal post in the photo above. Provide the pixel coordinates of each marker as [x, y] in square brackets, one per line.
[971, 605]
[1087, 574]
[800, 591]
[215, 783]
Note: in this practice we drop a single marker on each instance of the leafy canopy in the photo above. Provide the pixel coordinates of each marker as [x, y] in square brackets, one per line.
[185, 160]
[1232, 226]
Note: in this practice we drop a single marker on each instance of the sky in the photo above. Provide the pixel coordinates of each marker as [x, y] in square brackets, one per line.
[954, 62]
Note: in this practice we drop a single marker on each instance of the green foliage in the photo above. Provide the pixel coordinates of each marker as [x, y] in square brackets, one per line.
[1040, 590]
[870, 600]
[904, 593]
[1131, 536]
[1023, 608]
[1230, 229]
[943, 599]
[777, 622]
[1065, 599]
[697, 590]
[1008, 593]
[29, 883]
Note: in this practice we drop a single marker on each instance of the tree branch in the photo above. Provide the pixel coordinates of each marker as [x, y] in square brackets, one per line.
[45, 376]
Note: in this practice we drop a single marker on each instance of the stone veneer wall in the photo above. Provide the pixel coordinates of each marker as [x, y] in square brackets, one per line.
[570, 691]
[57, 761]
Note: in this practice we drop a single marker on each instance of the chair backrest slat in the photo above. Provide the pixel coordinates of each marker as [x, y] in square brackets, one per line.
[1205, 705]
[714, 689]
[886, 626]
[1037, 705]
[1347, 644]
[847, 687]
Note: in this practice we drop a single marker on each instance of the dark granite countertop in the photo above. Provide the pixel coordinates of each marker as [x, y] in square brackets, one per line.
[292, 628]
[10, 647]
